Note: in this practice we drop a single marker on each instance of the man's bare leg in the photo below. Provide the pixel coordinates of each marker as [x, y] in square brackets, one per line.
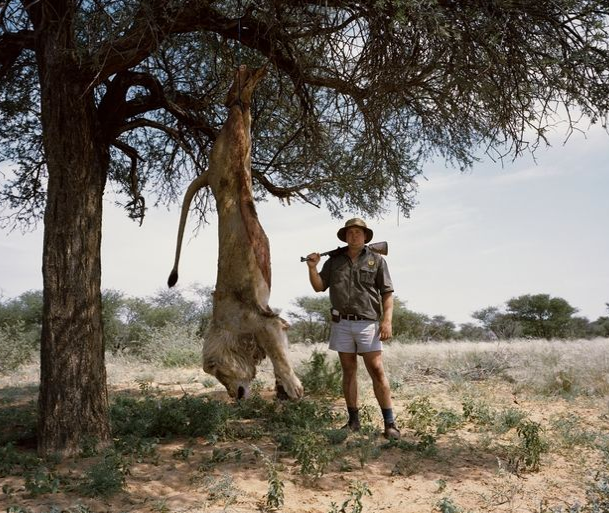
[348, 363]
[382, 391]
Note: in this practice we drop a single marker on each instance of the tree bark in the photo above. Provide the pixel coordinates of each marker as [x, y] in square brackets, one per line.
[73, 399]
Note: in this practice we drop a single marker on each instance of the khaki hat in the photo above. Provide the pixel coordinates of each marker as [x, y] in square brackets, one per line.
[341, 234]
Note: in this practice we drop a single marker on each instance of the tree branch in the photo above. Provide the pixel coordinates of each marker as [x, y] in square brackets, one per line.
[11, 47]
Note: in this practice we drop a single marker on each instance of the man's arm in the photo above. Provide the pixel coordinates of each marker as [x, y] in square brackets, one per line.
[386, 323]
[316, 282]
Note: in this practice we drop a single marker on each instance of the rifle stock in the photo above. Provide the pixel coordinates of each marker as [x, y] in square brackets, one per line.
[378, 247]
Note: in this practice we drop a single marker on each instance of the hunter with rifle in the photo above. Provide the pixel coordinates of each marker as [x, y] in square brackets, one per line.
[361, 295]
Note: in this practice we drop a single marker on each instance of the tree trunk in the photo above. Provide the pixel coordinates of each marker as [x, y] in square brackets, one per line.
[73, 400]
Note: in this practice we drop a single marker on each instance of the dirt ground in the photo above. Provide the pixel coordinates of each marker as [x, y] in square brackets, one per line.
[469, 471]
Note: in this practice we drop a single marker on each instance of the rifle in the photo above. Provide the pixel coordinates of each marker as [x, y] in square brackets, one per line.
[378, 247]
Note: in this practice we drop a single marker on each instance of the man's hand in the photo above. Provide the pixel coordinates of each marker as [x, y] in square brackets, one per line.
[313, 259]
[386, 330]
[314, 277]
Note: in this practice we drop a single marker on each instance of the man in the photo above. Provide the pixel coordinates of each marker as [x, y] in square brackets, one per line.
[361, 294]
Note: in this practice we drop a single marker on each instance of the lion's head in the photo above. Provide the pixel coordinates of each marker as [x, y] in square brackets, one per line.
[232, 360]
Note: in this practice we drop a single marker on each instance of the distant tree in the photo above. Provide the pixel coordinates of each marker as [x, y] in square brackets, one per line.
[440, 328]
[127, 320]
[500, 324]
[542, 316]
[600, 327]
[580, 327]
[204, 295]
[113, 302]
[470, 331]
[25, 309]
[312, 320]
[20, 325]
[407, 324]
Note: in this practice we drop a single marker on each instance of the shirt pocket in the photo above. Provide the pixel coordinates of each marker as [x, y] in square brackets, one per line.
[367, 275]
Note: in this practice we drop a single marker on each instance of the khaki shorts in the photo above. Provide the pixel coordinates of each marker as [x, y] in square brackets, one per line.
[355, 336]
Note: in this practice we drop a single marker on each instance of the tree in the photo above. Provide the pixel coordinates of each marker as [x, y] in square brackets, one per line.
[358, 96]
[469, 331]
[312, 320]
[27, 308]
[500, 324]
[440, 328]
[408, 324]
[112, 303]
[542, 316]
[128, 321]
[20, 322]
[600, 327]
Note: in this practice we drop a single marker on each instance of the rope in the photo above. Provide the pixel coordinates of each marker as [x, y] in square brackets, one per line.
[240, 14]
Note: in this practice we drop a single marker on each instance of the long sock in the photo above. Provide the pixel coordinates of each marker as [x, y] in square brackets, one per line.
[353, 415]
[388, 415]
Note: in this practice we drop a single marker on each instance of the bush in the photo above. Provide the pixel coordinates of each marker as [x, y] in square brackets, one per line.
[168, 416]
[321, 378]
[107, 477]
[171, 345]
[17, 345]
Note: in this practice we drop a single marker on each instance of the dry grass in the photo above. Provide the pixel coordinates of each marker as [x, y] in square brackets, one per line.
[563, 387]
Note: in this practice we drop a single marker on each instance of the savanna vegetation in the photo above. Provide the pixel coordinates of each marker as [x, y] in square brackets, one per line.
[147, 327]
[514, 425]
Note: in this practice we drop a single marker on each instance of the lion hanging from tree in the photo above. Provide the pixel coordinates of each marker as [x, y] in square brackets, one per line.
[243, 329]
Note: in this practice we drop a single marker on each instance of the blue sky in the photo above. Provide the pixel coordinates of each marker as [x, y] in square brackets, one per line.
[475, 239]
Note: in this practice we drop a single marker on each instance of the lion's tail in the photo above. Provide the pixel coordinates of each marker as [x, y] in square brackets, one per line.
[198, 183]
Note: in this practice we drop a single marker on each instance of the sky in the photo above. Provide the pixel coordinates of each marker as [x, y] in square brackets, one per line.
[475, 239]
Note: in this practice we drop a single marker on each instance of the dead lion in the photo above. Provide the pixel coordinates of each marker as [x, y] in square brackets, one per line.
[243, 329]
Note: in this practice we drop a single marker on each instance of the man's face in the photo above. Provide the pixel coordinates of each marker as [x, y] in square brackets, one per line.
[355, 236]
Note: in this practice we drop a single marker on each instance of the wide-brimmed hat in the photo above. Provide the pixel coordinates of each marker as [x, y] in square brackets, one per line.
[356, 221]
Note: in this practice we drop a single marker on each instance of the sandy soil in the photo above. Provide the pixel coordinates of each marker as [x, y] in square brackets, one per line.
[468, 472]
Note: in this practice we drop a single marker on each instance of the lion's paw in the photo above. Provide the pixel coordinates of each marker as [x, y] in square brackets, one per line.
[290, 387]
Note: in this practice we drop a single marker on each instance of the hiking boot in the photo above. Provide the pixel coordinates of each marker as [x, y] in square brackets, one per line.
[391, 432]
[353, 426]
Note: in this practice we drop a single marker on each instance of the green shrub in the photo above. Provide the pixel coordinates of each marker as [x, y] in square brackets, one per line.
[305, 414]
[570, 431]
[41, 480]
[365, 445]
[171, 345]
[18, 346]
[446, 505]
[478, 412]
[150, 417]
[313, 453]
[274, 497]
[319, 377]
[107, 477]
[528, 455]
[357, 490]
[422, 420]
[507, 419]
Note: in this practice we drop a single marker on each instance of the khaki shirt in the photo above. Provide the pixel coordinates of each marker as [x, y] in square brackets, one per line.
[357, 287]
